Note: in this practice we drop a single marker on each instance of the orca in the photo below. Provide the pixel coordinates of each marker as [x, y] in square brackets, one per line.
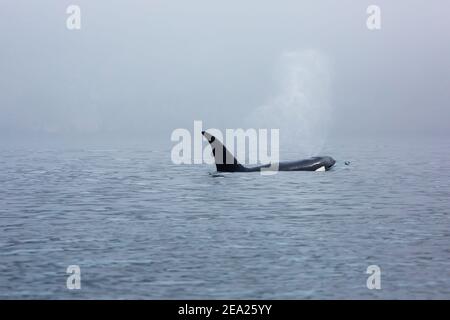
[232, 165]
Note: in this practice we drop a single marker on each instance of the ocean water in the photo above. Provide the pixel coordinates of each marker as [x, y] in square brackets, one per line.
[141, 227]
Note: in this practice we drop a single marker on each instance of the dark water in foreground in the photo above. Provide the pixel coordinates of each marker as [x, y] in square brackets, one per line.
[140, 227]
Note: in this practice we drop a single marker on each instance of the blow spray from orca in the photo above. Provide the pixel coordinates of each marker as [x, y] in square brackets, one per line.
[300, 108]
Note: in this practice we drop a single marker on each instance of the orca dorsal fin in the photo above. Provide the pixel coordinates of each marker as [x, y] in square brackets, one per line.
[224, 159]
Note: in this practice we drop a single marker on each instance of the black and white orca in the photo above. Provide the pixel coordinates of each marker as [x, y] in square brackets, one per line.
[226, 162]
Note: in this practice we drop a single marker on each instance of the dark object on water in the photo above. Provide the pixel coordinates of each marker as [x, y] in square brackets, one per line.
[347, 163]
[232, 165]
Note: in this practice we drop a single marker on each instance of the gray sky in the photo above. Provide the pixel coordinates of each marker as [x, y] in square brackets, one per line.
[139, 69]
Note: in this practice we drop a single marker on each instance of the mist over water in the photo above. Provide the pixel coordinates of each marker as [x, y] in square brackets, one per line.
[301, 106]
